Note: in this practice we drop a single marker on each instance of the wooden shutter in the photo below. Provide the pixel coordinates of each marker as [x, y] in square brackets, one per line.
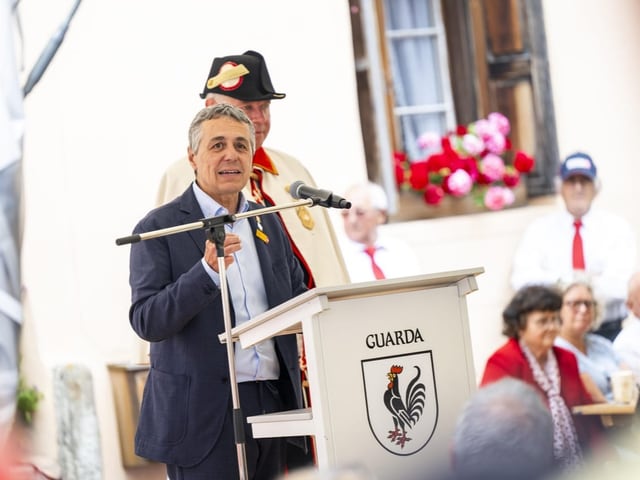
[505, 70]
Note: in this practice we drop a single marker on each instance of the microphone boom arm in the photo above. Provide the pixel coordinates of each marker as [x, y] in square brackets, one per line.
[210, 222]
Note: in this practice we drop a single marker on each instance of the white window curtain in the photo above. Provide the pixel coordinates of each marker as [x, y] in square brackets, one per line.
[417, 53]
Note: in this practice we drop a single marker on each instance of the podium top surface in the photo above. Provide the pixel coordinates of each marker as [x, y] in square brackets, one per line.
[405, 283]
[364, 289]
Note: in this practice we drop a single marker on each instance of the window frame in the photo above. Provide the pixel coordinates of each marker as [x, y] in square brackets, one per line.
[468, 72]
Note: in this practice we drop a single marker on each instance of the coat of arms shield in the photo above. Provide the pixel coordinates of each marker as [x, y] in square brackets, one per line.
[401, 401]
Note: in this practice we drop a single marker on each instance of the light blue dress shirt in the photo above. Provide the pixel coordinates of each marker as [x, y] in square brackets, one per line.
[248, 295]
[600, 361]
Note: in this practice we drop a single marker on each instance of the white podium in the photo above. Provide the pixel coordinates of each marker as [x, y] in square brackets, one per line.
[389, 368]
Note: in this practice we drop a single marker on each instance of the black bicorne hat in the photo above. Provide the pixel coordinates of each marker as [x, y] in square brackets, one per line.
[244, 77]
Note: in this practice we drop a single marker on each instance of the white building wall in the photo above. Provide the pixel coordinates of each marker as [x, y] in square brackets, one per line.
[112, 113]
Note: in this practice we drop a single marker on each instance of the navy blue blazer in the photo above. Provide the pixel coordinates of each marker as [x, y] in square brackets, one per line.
[178, 308]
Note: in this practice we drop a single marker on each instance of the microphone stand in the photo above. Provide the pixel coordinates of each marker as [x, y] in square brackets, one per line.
[216, 233]
[212, 222]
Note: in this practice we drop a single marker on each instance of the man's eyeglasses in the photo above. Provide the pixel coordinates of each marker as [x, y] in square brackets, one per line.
[575, 304]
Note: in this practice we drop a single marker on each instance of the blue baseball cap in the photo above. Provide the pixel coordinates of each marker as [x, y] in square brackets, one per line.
[578, 163]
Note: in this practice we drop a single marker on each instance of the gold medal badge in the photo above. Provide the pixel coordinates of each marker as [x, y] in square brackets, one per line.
[305, 217]
[262, 236]
[260, 232]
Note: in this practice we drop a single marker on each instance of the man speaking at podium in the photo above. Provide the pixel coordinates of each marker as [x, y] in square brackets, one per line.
[244, 82]
[186, 416]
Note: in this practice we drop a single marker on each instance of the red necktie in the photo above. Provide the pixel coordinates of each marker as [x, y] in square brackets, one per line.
[377, 271]
[578, 252]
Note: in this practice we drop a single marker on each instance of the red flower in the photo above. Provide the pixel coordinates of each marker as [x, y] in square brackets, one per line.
[419, 175]
[399, 159]
[523, 162]
[432, 174]
[471, 166]
[461, 130]
[507, 144]
[484, 180]
[433, 194]
[511, 177]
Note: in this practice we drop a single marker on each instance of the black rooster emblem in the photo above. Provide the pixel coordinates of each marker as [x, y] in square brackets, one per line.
[405, 412]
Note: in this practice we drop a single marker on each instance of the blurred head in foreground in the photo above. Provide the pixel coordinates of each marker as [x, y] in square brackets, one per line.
[504, 432]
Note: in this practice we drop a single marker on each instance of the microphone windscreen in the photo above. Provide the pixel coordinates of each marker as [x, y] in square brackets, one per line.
[294, 189]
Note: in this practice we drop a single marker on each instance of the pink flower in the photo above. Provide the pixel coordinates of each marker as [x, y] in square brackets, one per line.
[500, 122]
[467, 159]
[497, 198]
[492, 166]
[483, 128]
[472, 144]
[459, 183]
[495, 143]
[429, 140]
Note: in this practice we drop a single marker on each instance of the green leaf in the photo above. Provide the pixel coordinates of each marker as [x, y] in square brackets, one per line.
[27, 400]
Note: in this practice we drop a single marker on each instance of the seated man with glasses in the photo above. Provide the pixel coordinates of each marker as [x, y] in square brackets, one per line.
[579, 242]
[597, 359]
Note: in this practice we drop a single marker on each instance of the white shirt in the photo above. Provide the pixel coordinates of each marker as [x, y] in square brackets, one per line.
[248, 295]
[544, 255]
[627, 344]
[394, 257]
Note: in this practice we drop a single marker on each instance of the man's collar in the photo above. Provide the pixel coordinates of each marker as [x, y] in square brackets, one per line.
[211, 208]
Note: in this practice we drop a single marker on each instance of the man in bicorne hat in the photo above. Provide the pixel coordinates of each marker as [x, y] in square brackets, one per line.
[243, 81]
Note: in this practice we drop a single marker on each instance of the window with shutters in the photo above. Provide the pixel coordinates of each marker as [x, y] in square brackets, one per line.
[428, 65]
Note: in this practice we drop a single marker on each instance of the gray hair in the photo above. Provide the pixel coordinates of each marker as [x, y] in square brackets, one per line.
[213, 112]
[505, 431]
[598, 311]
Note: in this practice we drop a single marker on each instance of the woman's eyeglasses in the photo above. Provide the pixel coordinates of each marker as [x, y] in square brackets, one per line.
[575, 304]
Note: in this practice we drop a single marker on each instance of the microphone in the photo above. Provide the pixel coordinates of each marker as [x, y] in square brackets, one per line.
[324, 198]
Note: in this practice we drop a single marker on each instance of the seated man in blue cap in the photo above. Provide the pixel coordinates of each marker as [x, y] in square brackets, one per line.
[244, 82]
[580, 243]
